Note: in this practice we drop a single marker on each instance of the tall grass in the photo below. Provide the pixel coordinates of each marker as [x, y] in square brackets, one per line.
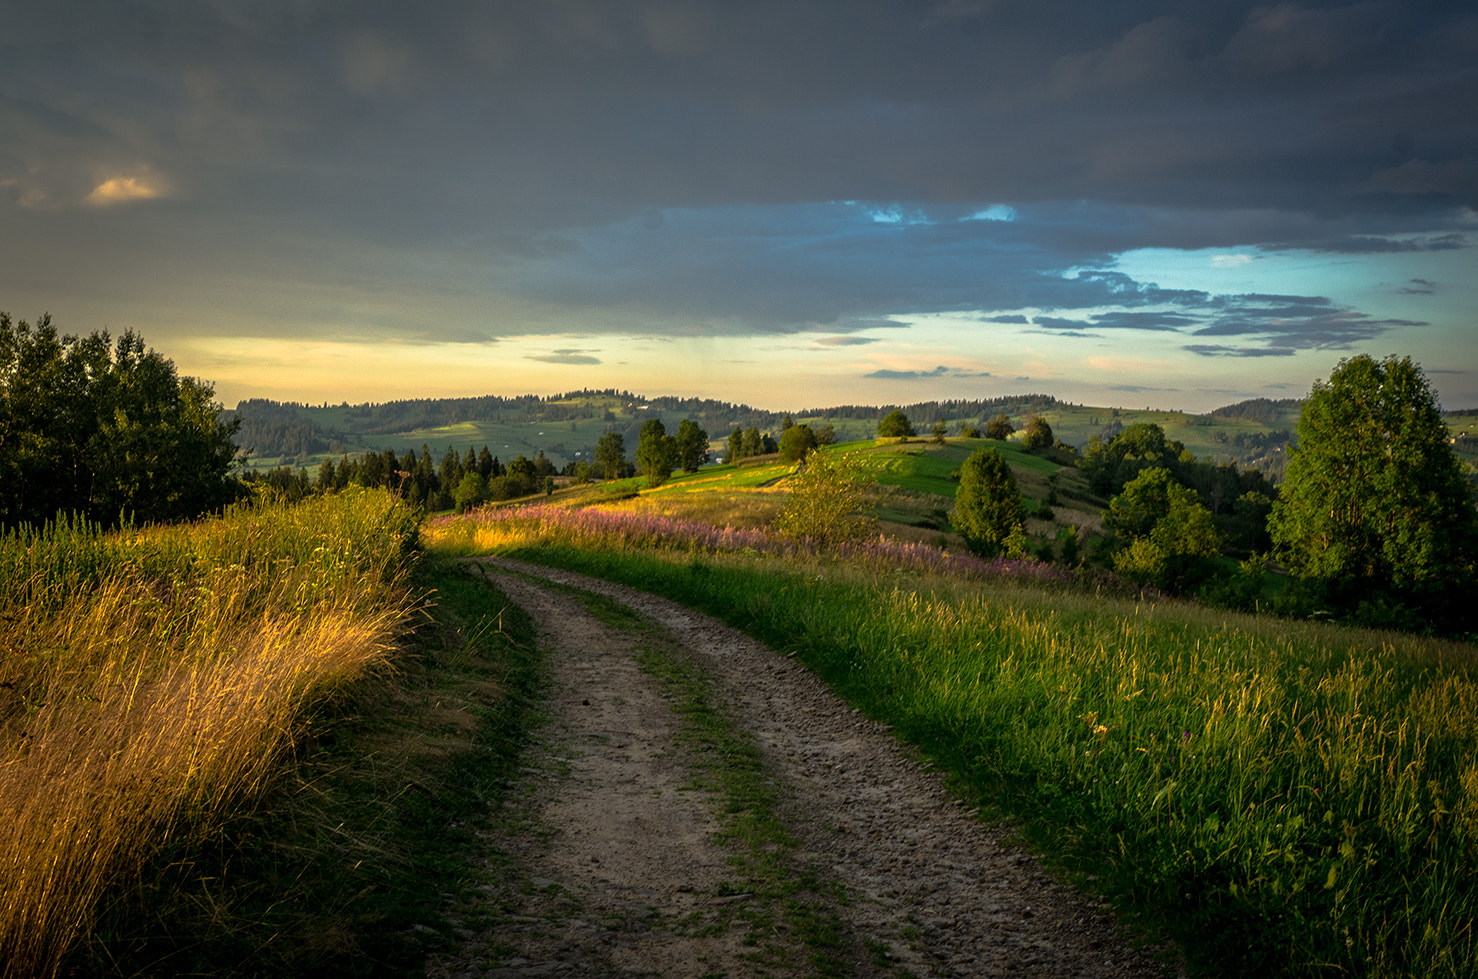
[600, 528]
[149, 680]
[1285, 798]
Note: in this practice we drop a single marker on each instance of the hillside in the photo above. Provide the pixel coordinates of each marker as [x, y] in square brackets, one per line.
[565, 427]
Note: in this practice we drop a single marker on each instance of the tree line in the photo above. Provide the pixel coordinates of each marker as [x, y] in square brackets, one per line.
[1374, 522]
[105, 429]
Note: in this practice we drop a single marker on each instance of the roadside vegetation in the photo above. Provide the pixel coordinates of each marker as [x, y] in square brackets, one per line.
[1283, 799]
[220, 754]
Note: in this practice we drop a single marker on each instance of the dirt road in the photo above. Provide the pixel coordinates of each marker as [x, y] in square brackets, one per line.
[615, 861]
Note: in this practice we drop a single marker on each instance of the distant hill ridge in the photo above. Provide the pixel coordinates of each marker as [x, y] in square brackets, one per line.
[298, 429]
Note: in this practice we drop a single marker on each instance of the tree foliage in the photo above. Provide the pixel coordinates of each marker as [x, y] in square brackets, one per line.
[1036, 433]
[610, 455]
[1374, 505]
[999, 428]
[895, 425]
[1110, 466]
[749, 442]
[692, 446]
[106, 430]
[795, 442]
[987, 504]
[1168, 531]
[826, 502]
[656, 452]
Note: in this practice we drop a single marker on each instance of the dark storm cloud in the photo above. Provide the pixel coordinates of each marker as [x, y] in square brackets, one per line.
[1125, 320]
[555, 114]
[688, 163]
[1295, 323]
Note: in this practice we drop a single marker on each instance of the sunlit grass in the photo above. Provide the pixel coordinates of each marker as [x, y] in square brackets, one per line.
[150, 678]
[1285, 798]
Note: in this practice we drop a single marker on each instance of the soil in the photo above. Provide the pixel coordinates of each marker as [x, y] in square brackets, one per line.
[605, 862]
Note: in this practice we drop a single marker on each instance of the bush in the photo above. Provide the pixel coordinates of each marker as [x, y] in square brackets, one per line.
[825, 503]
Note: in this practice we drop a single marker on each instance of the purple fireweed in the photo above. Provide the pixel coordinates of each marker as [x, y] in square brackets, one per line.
[594, 527]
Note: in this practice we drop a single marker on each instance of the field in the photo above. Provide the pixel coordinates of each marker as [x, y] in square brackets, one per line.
[224, 745]
[1282, 798]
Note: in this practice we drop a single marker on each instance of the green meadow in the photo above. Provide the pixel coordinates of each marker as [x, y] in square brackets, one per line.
[1278, 797]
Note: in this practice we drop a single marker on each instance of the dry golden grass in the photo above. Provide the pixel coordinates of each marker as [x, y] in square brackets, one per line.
[139, 710]
[721, 508]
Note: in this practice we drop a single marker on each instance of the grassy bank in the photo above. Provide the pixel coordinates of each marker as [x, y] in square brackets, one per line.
[150, 681]
[356, 862]
[1283, 798]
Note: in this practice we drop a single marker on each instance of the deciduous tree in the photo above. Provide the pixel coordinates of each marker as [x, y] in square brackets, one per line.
[1166, 528]
[1036, 433]
[105, 430]
[999, 428]
[795, 442]
[895, 425]
[1374, 505]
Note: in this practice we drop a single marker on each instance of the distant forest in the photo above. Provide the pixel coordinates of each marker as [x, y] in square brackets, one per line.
[275, 428]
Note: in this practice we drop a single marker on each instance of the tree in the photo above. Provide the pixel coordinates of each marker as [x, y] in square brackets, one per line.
[1036, 433]
[795, 442]
[470, 492]
[735, 446]
[999, 428]
[656, 452]
[987, 503]
[1110, 466]
[895, 425]
[692, 446]
[937, 432]
[1373, 506]
[106, 430]
[825, 505]
[752, 443]
[521, 477]
[610, 455]
[1167, 529]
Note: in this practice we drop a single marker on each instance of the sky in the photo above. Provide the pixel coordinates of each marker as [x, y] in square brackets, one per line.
[789, 204]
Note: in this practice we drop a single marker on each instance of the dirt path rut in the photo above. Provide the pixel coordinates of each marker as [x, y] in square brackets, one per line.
[611, 866]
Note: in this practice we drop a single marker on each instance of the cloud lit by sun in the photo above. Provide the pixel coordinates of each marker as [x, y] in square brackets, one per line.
[142, 185]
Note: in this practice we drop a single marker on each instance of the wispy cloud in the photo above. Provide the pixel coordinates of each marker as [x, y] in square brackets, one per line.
[844, 341]
[937, 372]
[571, 357]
